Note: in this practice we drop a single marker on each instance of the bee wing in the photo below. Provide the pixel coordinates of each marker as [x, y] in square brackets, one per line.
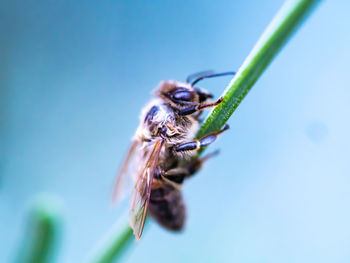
[123, 179]
[142, 190]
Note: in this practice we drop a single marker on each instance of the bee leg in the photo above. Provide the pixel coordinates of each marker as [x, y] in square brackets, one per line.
[201, 143]
[199, 107]
[176, 175]
[196, 164]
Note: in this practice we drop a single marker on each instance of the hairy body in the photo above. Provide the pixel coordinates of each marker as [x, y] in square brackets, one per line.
[164, 154]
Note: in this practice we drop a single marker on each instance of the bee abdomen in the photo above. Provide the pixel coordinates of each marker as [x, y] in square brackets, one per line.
[166, 206]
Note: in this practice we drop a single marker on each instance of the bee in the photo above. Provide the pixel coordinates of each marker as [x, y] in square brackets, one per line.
[164, 152]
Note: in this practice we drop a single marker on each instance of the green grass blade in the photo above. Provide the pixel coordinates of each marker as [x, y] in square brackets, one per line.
[113, 246]
[288, 18]
[41, 239]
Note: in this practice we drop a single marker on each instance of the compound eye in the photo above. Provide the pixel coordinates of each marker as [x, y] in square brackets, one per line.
[183, 95]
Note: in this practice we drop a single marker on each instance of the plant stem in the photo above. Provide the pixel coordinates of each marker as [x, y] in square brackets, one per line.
[113, 245]
[288, 18]
[40, 241]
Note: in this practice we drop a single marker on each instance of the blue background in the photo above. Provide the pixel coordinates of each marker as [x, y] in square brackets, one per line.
[74, 76]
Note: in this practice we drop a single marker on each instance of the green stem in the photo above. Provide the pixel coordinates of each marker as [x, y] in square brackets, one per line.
[113, 245]
[288, 18]
[41, 239]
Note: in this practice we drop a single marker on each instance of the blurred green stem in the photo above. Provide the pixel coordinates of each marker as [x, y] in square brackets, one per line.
[42, 235]
[113, 245]
[288, 18]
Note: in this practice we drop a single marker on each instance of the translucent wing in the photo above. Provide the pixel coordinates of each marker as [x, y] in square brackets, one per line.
[142, 190]
[124, 177]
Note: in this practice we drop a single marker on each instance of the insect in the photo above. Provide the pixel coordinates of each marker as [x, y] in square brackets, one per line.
[164, 152]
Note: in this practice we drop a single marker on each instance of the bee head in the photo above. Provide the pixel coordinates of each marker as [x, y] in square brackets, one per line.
[180, 95]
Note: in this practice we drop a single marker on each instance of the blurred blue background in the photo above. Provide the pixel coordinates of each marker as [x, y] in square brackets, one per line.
[75, 75]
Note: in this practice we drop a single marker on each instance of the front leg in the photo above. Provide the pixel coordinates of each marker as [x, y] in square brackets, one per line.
[199, 107]
[201, 143]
